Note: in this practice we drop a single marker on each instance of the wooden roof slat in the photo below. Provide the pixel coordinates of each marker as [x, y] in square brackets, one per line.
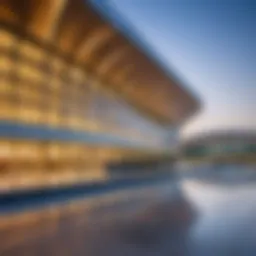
[109, 47]
[76, 25]
[78, 30]
[111, 60]
[95, 40]
[45, 18]
[120, 74]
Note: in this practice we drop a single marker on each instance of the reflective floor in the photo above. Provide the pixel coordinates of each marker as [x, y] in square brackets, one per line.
[226, 222]
[206, 215]
[213, 217]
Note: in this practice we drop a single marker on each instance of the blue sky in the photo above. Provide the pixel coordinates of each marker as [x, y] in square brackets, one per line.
[211, 46]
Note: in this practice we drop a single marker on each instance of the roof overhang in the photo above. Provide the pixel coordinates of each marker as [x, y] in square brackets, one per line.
[123, 65]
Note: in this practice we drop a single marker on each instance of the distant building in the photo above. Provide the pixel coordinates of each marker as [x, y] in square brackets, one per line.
[221, 146]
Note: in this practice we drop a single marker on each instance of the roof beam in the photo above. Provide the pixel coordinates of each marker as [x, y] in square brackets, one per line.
[93, 41]
[45, 16]
[111, 60]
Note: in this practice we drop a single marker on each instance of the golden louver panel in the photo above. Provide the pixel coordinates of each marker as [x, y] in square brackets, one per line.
[76, 29]
[67, 72]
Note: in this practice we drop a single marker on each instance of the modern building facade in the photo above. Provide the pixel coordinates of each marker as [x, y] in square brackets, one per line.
[77, 93]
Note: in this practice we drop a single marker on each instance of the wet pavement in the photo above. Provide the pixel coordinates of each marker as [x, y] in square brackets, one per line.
[205, 216]
[213, 219]
[226, 222]
[216, 215]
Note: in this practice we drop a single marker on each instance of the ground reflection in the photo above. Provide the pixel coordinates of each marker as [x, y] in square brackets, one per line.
[226, 204]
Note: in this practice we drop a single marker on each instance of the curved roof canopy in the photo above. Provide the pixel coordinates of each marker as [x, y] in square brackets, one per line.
[80, 32]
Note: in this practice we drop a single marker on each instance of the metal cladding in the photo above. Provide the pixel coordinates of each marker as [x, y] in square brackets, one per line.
[80, 34]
